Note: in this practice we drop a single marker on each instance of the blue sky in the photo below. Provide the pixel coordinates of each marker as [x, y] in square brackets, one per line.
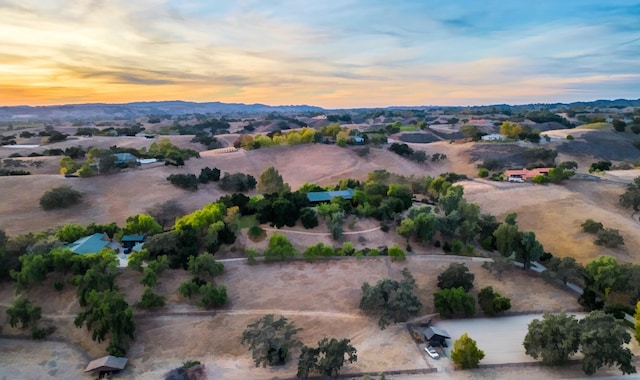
[333, 54]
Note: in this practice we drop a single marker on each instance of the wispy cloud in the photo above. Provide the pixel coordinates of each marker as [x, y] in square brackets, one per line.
[333, 54]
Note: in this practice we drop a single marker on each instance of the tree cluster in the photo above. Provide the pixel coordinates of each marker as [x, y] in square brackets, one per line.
[608, 237]
[272, 341]
[454, 298]
[599, 337]
[390, 300]
[631, 196]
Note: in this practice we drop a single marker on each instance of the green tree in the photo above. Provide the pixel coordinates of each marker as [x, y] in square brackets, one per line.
[619, 125]
[636, 325]
[454, 301]
[510, 130]
[591, 226]
[327, 359]
[610, 238]
[397, 254]
[23, 312]
[530, 249]
[150, 300]
[34, 270]
[142, 224]
[70, 233]
[108, 315]
[308, 218]
[507, 239]
[466, 353]
[492, 302]
[205, 265]
[469, 130]
[393, 301]
[271, 340]
[605, 273]
[59, 197]
[279, 249]
[602, 342]
[212, 296]
[406, 229]
[426, 226]
[631, 196]
[554, 338]
[188, 289]
[335, 223]
[456, 275]
[68, 165]
[565, 269]
[184, 181]
[271, 182]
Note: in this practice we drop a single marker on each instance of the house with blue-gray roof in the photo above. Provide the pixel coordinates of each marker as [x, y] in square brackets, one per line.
[90, 244]
[327, 196]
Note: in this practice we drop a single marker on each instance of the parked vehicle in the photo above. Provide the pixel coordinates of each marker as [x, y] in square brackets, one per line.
[432, 352]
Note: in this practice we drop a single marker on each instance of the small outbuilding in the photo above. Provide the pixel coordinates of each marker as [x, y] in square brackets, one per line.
[107, 364]
[130, 241]
[436, 337]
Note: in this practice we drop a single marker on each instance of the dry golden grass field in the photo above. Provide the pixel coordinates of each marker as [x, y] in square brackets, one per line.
[320, 297]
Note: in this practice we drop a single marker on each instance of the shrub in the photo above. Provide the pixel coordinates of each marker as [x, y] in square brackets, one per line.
[251, 256]
[60, 197]
[256, 233]
[610, 238]
[185, 181]
[569, 137]
[150, 300]
[457, 246]
[41, 333]
[591, 226]
[483, 172]
[540, 179]
[397, 254]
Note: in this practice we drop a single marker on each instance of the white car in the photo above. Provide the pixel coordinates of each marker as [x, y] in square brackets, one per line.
[432, 352]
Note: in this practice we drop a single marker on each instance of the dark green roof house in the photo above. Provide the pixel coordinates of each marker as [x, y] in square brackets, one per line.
[326, 196]
[90, 244]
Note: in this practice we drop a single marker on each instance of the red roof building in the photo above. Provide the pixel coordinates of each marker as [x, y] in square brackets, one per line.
[526, 174]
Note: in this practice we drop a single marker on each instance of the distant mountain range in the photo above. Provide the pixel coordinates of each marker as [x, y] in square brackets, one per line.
[132, 110]
[127, 111]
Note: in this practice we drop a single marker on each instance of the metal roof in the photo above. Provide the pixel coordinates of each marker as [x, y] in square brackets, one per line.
[432, 330]
[326, 196]
[135, 238]
[89, 244]
[107, 363]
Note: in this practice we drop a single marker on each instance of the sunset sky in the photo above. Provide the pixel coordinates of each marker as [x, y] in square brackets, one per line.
[333, 54]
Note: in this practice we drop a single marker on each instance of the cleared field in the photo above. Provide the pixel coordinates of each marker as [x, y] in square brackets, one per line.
[321, 297]
[555, 213]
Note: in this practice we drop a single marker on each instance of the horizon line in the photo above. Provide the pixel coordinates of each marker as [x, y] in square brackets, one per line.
[316, 106]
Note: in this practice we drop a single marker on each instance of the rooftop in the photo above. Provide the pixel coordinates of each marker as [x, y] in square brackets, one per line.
[89, 244]
[432, 330]
[107, 363]
[134, 238]
[326, 196]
